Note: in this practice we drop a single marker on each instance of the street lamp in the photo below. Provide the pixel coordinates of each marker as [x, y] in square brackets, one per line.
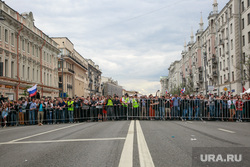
[157, 92]
[205, 64]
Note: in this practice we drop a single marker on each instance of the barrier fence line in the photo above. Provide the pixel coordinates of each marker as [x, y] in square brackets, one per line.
[148, 109]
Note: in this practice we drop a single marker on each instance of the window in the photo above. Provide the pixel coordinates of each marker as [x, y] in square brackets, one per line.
[23, 71]
[23, 44]
[36, 52]
[244, 57]
[44, 55]
[243, 40]
[243, 23]
[37, 73]
[12, 70]
[33, 50]
[224, 77]
[232, 76]
[12, 38]
[242, 6]
[6, 35]
[0, 32]
[232, 44]
[249, 37]
[248, 18]
[220, 66]
[245, 75]
[28, 74]
[224, 65]
[6, 67]
[33, 74]
[28, 47]
[228, 62]
[232, 59]
[231, 28]
[248, 3]
[220, 79]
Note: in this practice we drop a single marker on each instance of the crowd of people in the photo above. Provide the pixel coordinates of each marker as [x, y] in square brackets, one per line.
[31, 111]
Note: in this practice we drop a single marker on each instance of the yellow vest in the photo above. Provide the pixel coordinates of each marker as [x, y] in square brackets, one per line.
[110, 102]
[70, 103]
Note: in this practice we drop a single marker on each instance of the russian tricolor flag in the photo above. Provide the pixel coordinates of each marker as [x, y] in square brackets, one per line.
[183, 90]
[166, 91]
[32, 91]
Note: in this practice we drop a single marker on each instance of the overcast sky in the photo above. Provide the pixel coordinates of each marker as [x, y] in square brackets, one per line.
[133, 41]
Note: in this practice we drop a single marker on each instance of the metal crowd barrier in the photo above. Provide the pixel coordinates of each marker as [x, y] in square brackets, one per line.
[186, 109]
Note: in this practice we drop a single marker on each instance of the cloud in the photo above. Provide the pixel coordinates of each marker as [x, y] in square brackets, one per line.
[133, 42]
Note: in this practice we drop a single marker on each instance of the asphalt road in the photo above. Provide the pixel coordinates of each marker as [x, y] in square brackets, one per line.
[123, 143]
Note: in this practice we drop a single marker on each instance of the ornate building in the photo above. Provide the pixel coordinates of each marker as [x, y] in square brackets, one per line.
[27, 56]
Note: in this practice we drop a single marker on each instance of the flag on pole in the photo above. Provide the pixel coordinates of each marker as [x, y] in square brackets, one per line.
[166, 91]
[33, 90]
[182, 90]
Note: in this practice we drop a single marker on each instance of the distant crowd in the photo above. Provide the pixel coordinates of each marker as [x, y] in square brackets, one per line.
[31, 111]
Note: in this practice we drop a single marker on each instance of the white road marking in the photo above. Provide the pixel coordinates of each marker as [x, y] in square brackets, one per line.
[189, 122]
[126, 159]
[144, 154]
[66, 140]
[42, 133]
[224, 130]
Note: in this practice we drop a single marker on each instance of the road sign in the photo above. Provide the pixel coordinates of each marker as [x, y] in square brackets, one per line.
[225, 89]
[233, 90]
[210, 88]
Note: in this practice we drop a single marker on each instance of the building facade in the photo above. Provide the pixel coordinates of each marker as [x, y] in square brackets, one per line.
[219, 57]
[110, 87]
[164, 85]
[72, 69]
[27, 56]
[94, 78]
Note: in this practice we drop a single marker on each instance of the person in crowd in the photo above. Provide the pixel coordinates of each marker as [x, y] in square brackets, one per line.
[125, 101]
[135, 107]
[143, 108]
[110, 107]
[5, 112]
[61, 107]
[71, 110]
[41, 107]
[231, 106]
[239, 109]
[168, 103]
[21, 112]
[176, 108]
[33, 106]
[197, 107]
[117, 107]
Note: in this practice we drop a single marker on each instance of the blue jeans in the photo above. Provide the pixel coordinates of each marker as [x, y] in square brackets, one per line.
[70, 113]
[211, 110]
[197, 113]
[32, 117]
[176, 111]
[62, 117]
[239, 114]
[190, 113]
[184, 113]
[162, 112]
[157, 113]
[49, 116]
[13, 118]
[57, 115]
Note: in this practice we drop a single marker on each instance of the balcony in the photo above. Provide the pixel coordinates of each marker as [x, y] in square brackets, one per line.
[69, 86]
[70, 70]
[215, 74]
[221, 42]
[214, 61]
[200, 69]
[214, 66]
